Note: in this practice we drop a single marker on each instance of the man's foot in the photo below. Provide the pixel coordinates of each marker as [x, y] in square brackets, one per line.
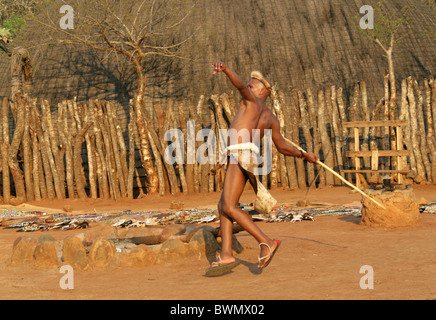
[267, 252]
[221, 267]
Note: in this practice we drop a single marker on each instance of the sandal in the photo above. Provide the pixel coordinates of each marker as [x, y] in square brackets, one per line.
[220, 268]
[270, 255]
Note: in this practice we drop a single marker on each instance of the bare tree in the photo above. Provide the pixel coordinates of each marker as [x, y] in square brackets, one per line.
[134, 32]
[386, 33]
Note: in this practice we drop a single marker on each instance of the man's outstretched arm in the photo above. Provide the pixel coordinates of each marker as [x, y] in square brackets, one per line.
[235, 79]
[286, 149]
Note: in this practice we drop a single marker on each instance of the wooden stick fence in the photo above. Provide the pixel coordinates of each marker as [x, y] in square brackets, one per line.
[78, 150]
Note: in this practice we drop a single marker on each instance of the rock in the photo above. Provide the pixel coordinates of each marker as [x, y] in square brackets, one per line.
[175, 204]
[374, 179]
[81, 261]
[101, 253]
[74, 252]
[139, 257]
[67, 208]
[148, 235]
[15, 201]
[100, 231]
[236, 245]
[45, 255]
[172, 230]
[419, 179]
[303, 203]
[422, 201]
[140, 232]
[207, 243]
[46, 237]
[173, 249]
[401, 209]
[22, 251]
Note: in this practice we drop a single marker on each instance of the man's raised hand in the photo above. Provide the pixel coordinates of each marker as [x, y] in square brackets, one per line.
[218, 67]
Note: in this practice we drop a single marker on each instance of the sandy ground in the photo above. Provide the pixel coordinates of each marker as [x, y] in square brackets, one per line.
[318, 259]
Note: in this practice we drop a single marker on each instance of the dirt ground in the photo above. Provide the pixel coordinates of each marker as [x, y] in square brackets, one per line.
[318, 259]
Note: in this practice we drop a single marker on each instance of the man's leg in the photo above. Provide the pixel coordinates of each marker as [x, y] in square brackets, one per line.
[229, 210]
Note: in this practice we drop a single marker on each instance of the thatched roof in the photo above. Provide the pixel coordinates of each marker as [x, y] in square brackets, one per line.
[295, 43]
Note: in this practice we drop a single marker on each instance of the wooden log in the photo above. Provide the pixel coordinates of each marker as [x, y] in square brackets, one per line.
[354, 115]
[79, 175]
[146, 159]
[54, 146]
[386, 132]
[289, 161]
[295, 124]
[160, 116]
[373, 146]
[416, 149]
[211, 140]
[366, 117]
[189, 171]
[109, 153]
[203, 168]
[90, 150]
[431, 140]
[65, 134]
[44, 155]
[102, 171]
[433, 103]
[119, 170]
[343, 119]
[405, 115]
[161, 145]
[305, 125]
[325, 139]
[39, 189]
[421, 131]
[120, 138]
[16, 171]
[27, 155]
[277, 99]
[197, 118]
[60, 145]
[221, 124]
[58, 182]
[5, 152]
[179, 160]
[131, 169]
[334, 137]
[315, 132]
[229, 108]
[136, 138]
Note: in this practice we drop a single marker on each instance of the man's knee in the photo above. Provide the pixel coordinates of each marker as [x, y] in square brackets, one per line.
[220, 206]
[226, 207]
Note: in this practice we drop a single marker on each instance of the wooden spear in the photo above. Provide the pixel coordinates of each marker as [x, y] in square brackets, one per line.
[338, 175]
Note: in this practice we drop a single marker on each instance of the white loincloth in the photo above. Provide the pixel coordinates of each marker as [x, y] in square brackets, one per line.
[240, 153]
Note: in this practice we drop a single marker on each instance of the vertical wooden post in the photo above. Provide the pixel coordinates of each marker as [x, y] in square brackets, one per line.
[415, 132]
[325, 140]
[357, 159]
[424, 149]
[5, 152]
[17, 173]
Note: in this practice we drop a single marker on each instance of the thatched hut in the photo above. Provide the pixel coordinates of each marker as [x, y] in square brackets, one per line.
[299, 44]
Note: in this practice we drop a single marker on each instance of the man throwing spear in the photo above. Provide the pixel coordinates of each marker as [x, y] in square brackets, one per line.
[253, 114]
